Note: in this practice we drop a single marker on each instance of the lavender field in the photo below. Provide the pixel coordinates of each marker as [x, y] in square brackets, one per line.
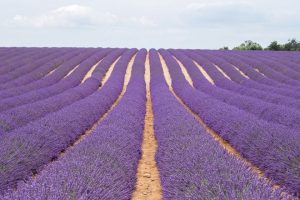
[118, 123]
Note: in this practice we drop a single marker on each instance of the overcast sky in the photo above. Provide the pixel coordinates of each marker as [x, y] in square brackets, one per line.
[205, 24]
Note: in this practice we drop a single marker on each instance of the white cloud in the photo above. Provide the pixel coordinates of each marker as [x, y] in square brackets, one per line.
[78, 16]
[66, 16]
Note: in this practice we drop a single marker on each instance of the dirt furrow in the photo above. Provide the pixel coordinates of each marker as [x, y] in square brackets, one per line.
[205, 74]
[89, 73]
[242, 73]
[148, 184]
[71, 71]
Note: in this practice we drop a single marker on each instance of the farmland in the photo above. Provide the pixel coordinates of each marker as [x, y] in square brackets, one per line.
[118, 123]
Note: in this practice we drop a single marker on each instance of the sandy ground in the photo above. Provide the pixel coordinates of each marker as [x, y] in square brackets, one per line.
[109, 71]
[258, 71]
[71, 71]
[89, 73]
[51, 72]
[185, 72]
[205, 74]
[148, 184]
[221, 70]
[242, 73]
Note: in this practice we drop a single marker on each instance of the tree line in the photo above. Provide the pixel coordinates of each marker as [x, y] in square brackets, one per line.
[291, 45]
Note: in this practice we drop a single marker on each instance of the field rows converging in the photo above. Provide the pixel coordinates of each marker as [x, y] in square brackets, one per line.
[119, 123]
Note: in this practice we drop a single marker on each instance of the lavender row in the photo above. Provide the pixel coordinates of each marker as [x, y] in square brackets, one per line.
[268, 85]
[284, 59]
[10, 62]
[20, 116]
[191, 163]
[221, 82]
[275, 65]
[18, 59]
[39, 72]
[266, 69]
[279, 114]
[51, 79]
[245, 68]
[26, 150]
[24, 69]
[70, 81]
[103, 165]
[273, 148]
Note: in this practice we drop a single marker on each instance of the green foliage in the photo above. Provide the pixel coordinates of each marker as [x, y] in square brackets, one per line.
[274, 46]
[249, 45]
[291, 45]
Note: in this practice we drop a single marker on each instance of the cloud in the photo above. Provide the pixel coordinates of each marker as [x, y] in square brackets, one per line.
[66, 16]
[78, 16]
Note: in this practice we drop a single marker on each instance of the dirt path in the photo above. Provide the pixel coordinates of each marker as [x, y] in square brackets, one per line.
[89, 73]
[256, 69]
[242, 73]
[148, 184]
[71, 71]
[205, 74]
[185, 72]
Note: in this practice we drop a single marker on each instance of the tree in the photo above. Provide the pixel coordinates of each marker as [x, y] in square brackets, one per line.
[249, 45]
[224, 48]
[292, 45]
[274, 46]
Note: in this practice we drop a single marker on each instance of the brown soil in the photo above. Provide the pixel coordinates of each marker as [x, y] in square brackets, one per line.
[89, 73]
[51, 72]
[185, 72]
[148, 184]
[259, 71]
[71, 71]
[221, 70]
[205, 74]
[242, 73]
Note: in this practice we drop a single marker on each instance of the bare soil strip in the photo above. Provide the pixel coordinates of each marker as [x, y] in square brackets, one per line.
[221, 70]
[242, 73]
[256, 69]
[205, 74]
[88, 131]
[89, 73]
[185, 72]
[71, 71]
[51, 72]
[215, 135]
[148, 184]
[109, 71]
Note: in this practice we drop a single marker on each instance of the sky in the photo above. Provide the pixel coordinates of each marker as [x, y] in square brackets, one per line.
[201, 24]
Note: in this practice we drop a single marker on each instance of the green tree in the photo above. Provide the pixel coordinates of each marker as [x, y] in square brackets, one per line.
[274, 46]
[249, 45]
[224, 48]
[292, 45]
